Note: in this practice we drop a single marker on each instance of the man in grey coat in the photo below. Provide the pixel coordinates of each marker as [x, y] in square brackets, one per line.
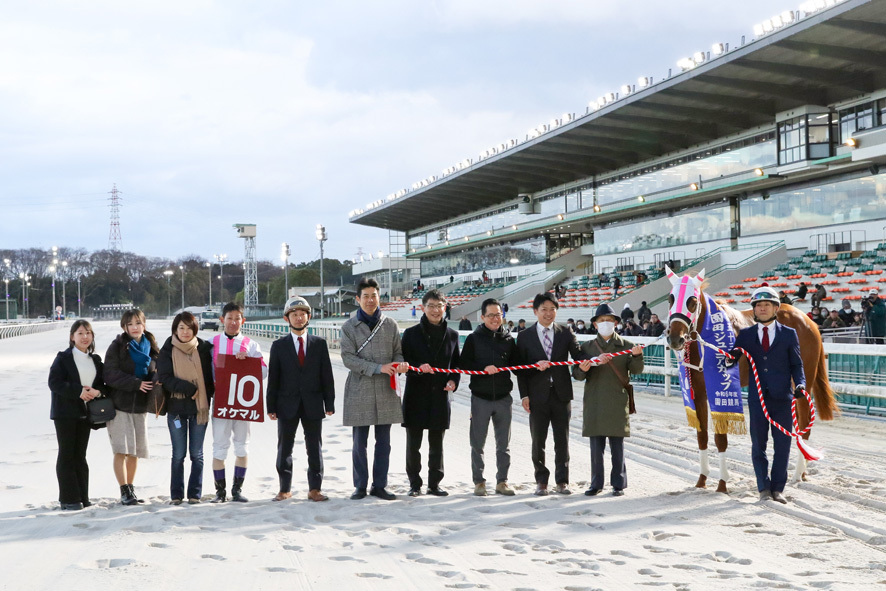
[370, 349]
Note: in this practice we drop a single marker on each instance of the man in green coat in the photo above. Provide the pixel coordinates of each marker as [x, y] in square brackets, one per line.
[606, 402]
[875, 311]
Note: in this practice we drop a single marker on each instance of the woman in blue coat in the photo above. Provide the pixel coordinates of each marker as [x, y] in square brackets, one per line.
[74, 378]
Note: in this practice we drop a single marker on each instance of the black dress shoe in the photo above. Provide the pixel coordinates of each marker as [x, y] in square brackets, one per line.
[562, 488]
[382, 494]
[71, 506]
[618, 492]
[437, 492]
[414, 492]
[592, 492]
[358, 494]
[541, 490]
[86, 504]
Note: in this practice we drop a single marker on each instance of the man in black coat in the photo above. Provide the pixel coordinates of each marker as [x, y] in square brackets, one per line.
[300, 388]
[465, 324]
[430, 343]
[547, 395]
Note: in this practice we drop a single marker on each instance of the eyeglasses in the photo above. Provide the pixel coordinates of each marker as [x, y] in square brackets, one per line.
[494, 316]
[435, 306]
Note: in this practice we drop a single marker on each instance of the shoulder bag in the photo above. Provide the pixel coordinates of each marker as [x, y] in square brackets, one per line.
[100, 410]
[625, 383]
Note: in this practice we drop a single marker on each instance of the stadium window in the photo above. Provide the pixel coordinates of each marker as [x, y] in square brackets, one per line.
[856, 118]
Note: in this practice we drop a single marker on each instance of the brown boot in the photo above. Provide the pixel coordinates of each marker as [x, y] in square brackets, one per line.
[315, 495]
[282, 496]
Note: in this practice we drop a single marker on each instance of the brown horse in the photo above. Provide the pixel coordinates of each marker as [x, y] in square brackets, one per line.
[687, 310]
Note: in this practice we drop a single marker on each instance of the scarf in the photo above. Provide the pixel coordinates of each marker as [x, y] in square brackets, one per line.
[140, 353]
[370, 320]
[186, 366]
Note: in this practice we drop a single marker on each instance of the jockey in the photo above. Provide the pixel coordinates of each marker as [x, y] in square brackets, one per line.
[775, 350]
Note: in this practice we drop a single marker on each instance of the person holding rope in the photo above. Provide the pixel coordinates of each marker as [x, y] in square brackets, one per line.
[775, 350]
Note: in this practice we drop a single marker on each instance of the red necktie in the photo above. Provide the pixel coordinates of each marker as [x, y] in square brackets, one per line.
[765, 339]
[301, 350]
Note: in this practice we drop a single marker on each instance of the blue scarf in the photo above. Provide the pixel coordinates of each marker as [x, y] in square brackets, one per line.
[370, 320]
[140, 352]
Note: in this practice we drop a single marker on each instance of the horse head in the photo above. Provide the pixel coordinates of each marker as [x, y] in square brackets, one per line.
[683, 307]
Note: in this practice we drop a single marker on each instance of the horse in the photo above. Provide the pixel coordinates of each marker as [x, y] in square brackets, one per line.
[688, 310]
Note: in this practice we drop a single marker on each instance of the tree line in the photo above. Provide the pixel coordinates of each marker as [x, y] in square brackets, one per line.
[116, 277]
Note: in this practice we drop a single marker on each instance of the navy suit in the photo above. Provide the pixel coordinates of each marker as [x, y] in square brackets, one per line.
[300, 393]
[550, 397]
[776, 369]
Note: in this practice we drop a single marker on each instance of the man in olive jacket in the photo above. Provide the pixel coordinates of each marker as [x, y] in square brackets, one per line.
[605, 404]
[430, 343]
[370, 348]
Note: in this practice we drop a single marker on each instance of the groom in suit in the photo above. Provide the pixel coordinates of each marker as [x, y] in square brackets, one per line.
[547, 394]
[300, 389]
[776, 353]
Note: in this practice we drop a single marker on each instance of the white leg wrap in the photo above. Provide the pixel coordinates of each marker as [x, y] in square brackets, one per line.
[705, 469]
[801, 467]
[724, 471]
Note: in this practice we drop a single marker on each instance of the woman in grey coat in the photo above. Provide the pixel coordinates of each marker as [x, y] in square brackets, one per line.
[370, 349]
[606, 402]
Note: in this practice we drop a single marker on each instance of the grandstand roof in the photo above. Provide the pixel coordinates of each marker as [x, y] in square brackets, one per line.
[822, 59]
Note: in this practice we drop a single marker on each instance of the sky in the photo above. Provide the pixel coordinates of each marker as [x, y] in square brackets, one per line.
[289, 114]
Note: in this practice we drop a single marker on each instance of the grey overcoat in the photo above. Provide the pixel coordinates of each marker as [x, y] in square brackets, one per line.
[369, 399]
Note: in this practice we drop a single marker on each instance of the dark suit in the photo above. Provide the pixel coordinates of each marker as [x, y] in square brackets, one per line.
[776, 369]
[300, 393]
[68, 412]
[550, 397]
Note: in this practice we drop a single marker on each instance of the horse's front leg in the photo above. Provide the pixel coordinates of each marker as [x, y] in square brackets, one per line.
[722, 443]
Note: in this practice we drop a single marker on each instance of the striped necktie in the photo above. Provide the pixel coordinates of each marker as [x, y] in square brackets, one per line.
[547, 342]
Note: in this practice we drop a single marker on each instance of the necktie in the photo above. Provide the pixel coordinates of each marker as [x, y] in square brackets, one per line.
[301, 351]
[765, 339]
[547, 343]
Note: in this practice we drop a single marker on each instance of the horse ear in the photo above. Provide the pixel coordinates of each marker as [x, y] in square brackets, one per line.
[699, 279]
[671, 275]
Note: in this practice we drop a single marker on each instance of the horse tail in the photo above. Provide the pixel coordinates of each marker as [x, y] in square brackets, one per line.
[825, 402]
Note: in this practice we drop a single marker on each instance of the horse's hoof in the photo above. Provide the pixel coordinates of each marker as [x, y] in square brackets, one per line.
[702, 481]
[721, 487]
[803, 477]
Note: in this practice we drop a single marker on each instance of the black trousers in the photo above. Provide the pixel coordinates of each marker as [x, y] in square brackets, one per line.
[286, 429]
[70, 467]
[435, 456]
[556, 415]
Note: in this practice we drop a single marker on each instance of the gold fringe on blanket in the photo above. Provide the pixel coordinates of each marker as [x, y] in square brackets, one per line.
[729, 422]
[692, 418]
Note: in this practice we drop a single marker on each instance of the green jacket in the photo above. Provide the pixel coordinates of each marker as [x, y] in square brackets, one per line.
[605, 400]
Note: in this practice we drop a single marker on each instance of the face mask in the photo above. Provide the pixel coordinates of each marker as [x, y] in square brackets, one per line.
[581, 327]
[605, 328]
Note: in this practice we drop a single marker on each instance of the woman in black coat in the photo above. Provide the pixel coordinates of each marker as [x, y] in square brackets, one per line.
[430, 343]
[74, 378]
[185, 370]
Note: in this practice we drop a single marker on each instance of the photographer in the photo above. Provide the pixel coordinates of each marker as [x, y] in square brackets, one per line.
[874, 311]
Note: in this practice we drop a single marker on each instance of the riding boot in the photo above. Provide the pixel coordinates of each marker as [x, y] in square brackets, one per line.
[220, 495]
[126, 497]
[235, 490]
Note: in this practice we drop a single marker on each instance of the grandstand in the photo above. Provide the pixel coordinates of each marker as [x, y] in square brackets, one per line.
[759, 161]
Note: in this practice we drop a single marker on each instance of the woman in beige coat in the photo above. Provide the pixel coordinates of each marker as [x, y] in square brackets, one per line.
[370, 348]
[606, 403]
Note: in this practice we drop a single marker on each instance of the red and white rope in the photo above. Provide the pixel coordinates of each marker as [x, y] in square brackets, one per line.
[808, 452]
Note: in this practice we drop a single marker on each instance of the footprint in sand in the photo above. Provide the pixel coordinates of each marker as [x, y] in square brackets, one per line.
[771, 577]
[345, 558]
[449, 574]
[213, 557]
[466, 586]
[803, 556]
[493, 571]
[648, 572]
[279, 569]
[112, 562]
[293, 548]
[255, 537]
[723, 556]
[158, 545]
[624, 553]
[659, 535]
[374, 576]
[81, 525]
[422, 559]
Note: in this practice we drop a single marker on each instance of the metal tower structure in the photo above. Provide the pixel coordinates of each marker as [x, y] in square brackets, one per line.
[250, 265]
[115, 240]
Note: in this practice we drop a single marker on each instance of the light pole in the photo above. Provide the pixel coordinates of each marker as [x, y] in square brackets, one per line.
[6, 279]
[182, 269]
[53, 269]
[64, 294]
[209, 266]
[221, 258]
[24, 279]
[285, 256]
[321, 236]
[78, 297]
[168, 295]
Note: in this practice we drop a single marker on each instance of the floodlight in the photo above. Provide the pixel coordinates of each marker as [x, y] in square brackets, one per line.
[758, 30]
[758, 171]
[699, 57]
[644, 81]
[694, 186]
[851, 143]
[718, 48]
[626, 89]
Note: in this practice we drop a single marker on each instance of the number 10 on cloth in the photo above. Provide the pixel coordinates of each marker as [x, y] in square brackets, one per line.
[239, 391]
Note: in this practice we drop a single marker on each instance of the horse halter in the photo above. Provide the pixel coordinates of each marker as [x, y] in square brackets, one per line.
[684, 288]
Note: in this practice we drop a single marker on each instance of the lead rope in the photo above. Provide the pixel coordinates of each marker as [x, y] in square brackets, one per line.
[808, 451]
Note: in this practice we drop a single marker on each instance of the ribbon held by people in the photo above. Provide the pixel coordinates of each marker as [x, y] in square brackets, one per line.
[809, 452]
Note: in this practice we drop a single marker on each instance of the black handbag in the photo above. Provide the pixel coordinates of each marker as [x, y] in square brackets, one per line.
[100, 410]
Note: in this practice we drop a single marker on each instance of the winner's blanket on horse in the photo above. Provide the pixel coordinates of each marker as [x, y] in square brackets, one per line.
[722, 384]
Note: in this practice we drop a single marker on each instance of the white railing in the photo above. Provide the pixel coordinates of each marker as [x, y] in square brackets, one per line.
[16, 330]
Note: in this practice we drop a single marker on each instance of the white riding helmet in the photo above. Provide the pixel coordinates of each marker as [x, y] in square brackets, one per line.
[296, 303]
[765, 294]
